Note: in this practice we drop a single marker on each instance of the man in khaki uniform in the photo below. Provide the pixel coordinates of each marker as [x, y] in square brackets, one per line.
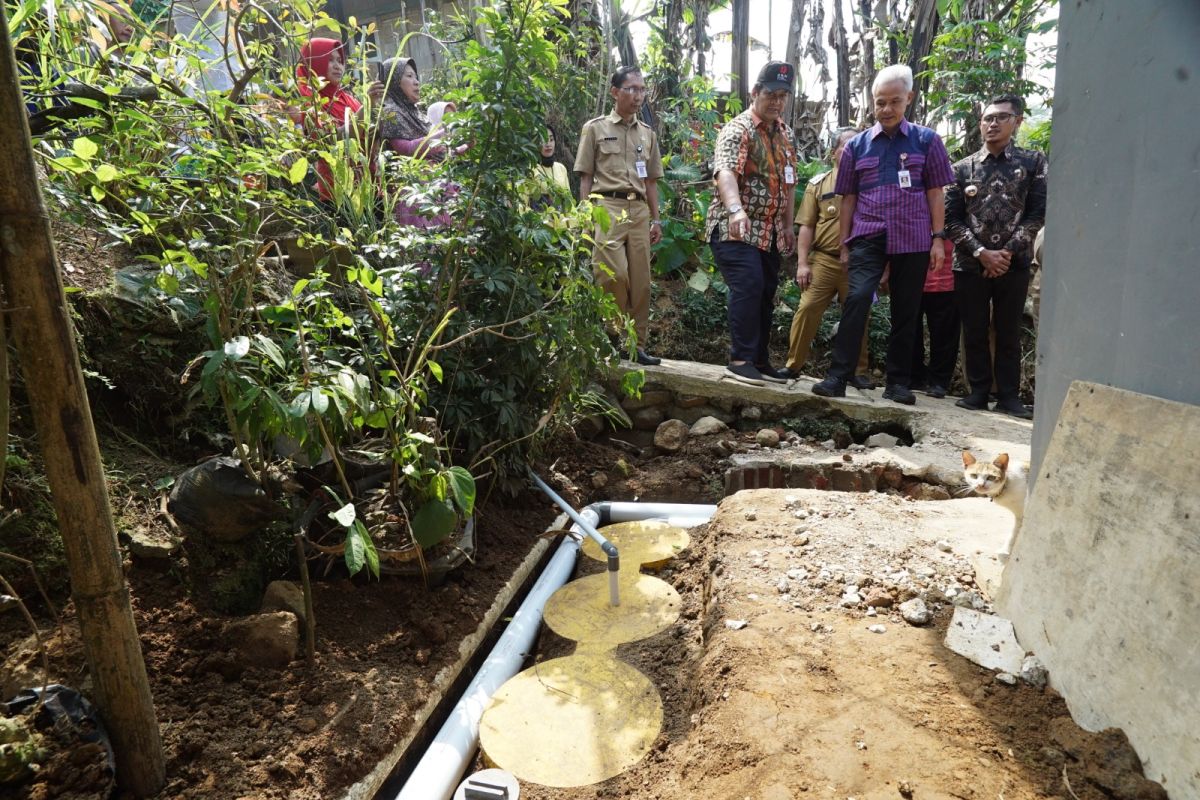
[618, 160]
[818, 271]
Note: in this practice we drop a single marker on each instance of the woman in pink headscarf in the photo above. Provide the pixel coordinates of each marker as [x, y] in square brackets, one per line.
[319, 78]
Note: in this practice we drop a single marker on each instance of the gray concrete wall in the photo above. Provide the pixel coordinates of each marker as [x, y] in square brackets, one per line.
[1121, 290]
[1104, 581]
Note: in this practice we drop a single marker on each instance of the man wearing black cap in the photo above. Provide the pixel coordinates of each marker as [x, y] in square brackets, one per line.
[749, 222]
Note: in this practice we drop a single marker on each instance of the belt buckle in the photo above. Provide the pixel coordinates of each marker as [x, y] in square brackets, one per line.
[631, 196]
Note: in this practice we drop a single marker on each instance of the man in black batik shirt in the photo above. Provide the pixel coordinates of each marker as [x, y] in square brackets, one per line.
[994, 209]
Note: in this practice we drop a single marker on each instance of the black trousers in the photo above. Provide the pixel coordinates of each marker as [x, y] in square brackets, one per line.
[868, 257]
[939, 312]
[992, 301]
[752, 276]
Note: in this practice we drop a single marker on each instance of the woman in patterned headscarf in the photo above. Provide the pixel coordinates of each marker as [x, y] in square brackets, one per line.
[402, 123]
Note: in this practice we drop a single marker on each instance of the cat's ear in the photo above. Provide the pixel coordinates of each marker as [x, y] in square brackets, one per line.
[1001, 461]
[968, 459]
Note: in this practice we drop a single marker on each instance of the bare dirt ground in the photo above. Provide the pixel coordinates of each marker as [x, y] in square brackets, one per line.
[806, 700]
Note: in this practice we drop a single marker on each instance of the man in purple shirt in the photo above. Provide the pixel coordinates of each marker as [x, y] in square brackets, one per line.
[890, 177]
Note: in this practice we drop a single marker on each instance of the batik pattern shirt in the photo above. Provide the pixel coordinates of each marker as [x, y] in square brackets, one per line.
[762, 157]
[870, 168]
[997, 202]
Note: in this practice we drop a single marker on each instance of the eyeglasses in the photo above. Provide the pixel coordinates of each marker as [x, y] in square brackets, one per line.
[634, 90]
[1003, 117]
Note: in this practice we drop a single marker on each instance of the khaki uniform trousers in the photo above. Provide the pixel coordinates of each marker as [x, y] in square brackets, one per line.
[829, 280]
[622, 256]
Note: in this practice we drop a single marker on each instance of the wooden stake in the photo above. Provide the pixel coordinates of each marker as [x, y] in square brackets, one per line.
[45, 342]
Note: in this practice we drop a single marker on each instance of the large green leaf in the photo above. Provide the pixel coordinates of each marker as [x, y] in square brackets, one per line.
[433, 522]
[85, 148]
[356, 550]
[368, 547]
[462, 489]
[298, 170]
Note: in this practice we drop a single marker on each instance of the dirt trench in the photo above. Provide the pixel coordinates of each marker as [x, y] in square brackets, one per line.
[806, 700]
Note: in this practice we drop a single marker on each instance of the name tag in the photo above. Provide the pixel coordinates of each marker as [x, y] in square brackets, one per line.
[641, 168]
[789, 174]
[905, 179]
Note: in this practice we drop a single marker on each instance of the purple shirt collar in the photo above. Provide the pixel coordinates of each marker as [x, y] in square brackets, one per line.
[877, 129]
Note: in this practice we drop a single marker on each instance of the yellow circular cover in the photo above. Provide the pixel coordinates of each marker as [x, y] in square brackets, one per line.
[580, 610]
[649, 543]
[571, 721]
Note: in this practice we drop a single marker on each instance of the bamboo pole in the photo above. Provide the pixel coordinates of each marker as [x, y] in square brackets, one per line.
[45, 342]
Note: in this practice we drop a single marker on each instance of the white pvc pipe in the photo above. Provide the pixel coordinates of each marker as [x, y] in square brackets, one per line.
[438, 772]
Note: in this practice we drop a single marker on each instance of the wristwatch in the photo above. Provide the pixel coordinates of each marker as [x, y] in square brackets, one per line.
[938, 235]
[975, 253]
[735, 208]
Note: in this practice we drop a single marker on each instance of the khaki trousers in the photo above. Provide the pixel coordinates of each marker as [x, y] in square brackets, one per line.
[622, 256]
[829, 280]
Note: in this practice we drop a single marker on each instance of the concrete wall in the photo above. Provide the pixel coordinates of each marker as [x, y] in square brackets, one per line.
[1104, 581]
[1121, 291]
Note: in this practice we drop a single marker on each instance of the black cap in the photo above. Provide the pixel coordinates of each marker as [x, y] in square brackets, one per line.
[777, 75]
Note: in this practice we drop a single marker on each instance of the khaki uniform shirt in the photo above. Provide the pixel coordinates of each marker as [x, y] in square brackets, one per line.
[609, 150]
[821, 209]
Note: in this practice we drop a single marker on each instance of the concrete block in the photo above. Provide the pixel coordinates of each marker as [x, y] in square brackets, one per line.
[1104, 580]
[987, 640]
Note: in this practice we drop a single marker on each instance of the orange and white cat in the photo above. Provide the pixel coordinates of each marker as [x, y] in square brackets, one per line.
[1003, 482]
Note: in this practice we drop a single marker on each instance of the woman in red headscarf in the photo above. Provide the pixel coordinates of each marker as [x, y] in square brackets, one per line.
[319, 77]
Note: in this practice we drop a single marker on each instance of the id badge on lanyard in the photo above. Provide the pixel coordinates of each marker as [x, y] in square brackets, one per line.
[904, 175]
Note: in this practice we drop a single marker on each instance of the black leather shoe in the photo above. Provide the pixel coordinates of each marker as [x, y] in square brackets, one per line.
[936, 391]
[861, 382]
[646, 359]
[788, 373]
[830, 387]
[1014, 408]
[973, 402]
[899, 394]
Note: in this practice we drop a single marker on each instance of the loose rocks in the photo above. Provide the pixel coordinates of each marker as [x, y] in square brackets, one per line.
[767, 437]
[915, 612]
[1033, 672]
[283, 596]
[266, 640]
[671, 435]
[706, 426]
[880, 598]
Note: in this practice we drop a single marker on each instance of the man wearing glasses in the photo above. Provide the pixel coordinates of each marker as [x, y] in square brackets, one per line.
[749, 221]
[618, 160]
[994, 209]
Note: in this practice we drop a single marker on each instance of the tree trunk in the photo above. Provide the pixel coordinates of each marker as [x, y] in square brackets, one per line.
[794, 54]
[868, 51]
[843, 66]
[699, 29]
[741, 51]
[924, 28]
[41, 328]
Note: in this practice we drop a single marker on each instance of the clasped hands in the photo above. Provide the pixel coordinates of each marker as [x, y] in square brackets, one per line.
[995, 262]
